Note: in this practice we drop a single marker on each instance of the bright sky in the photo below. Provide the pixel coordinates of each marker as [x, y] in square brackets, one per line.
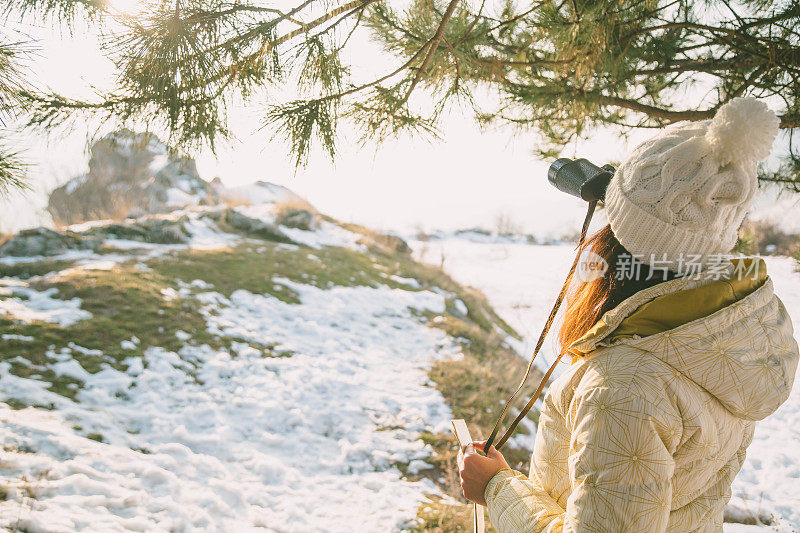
[468, 178]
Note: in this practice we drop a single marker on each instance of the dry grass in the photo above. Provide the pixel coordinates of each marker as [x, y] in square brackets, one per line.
[285, 210]
[751, 516]
[473, 387]
[294, 204]
[440, 516]
[379, 243]
[232, 201]
[762, 237]
[92, 201]
[24, 489]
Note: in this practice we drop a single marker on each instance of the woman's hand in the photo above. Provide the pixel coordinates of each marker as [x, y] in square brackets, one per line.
[476, 471]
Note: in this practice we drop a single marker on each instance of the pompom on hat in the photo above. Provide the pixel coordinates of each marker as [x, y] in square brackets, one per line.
[683, 194]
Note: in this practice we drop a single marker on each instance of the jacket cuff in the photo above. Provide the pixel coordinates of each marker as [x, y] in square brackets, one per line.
[493, 487]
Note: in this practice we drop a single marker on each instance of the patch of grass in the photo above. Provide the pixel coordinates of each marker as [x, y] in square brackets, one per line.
[475, 387]
[15, 404]
[33, 268]
[438, 516]
[255, 267]
[98, 437]
[124, 302]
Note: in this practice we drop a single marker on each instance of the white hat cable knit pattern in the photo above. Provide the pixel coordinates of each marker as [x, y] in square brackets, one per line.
[686, 191]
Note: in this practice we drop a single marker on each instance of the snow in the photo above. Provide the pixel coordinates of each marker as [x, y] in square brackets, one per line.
[204, 439]
[86, 226]
[179, 198]
[69, 255]
[411, 282]
[70, 368]
[14, 337]
[521, 282]
[260, 192]
[74, 183]
[159, 161]
[90, 264]
[205, 235]
[262, 212]
[29, 305]
[328, 233]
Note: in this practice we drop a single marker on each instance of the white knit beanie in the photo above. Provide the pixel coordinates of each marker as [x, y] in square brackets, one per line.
[684, 193]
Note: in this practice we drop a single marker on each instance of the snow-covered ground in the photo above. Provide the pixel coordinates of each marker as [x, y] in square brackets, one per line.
[238, 441]
[521, 282]
[200, 439]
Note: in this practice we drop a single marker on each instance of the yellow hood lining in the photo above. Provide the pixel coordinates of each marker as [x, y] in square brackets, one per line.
[674, 309]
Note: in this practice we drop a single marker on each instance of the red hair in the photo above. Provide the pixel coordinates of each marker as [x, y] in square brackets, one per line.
[587, 301]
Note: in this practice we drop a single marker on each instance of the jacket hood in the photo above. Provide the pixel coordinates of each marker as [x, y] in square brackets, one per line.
[731, 336]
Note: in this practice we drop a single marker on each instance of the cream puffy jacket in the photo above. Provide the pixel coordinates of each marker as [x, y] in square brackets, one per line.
[647, 431]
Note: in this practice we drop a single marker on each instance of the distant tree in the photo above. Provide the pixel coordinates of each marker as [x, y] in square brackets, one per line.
[561, 68]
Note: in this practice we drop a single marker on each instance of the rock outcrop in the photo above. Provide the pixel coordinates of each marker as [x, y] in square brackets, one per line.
[130, 174]
[43, 241]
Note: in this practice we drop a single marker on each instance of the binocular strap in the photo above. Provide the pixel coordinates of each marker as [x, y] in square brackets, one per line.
[539, 343]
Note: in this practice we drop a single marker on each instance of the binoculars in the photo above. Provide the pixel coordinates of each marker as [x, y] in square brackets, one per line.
[581, 178]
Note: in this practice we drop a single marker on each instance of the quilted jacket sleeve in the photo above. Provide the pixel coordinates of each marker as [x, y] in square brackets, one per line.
[620, 472]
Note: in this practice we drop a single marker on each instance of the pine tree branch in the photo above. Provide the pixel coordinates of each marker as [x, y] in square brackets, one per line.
[531, 63]
[255, 32]
[707, 65]
[658, 113]
[358, 9]
[788, 121]
[432, 46]
[271, 45]
[377, 81]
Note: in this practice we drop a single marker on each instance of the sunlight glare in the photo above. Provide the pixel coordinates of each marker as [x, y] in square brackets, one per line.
[125, 7]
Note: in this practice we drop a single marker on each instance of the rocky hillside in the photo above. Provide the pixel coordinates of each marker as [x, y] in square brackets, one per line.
[237, 367]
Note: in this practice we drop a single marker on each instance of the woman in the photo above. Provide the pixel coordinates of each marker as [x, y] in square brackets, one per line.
[647, 429]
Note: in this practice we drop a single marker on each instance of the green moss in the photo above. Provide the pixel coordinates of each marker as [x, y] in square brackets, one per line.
[124, 302]
[95, 436]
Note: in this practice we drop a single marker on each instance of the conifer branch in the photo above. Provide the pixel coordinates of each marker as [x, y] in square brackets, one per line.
[432, 45]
